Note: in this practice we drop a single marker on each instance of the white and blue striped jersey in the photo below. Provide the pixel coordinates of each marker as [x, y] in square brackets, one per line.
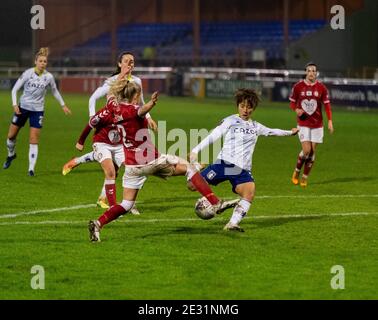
[35, 87]
[104, 89]
[240, 138]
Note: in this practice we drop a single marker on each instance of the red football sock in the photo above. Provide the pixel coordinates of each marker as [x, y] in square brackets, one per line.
[308, 166]
[111, 194]
[111, 214]
[203, 188]
[300, 161]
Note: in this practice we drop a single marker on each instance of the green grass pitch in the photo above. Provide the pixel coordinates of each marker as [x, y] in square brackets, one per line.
[293, 236]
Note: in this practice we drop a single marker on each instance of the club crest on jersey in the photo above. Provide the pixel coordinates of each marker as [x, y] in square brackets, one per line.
[316, 94]
[114, 136]
[309, 93]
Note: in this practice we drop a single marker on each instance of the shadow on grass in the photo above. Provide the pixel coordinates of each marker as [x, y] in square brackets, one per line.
[217, 228]
[346, 180]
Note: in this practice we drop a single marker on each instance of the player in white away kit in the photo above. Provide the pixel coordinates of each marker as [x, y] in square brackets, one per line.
[32, 104]
[234, 162]
[125, 61]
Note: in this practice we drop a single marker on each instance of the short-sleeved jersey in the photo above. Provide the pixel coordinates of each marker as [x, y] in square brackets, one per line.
[35, 87]
[240, 138]
[105, 129]
[310, 97]
[138, 147]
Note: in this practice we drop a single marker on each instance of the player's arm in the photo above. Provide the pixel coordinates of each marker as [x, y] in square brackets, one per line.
[143, 110]
[265, 131]
[328, 110]
[151, 123]
[57, 95]
[294, 101]
[81, 141]
[217, 133]
[17, 86]
[99, 93]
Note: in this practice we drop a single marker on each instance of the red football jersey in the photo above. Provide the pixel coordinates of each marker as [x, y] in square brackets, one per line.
[106, 130]
[137, 145]
[309, 97]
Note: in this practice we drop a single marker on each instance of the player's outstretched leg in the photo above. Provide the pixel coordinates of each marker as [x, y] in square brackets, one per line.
[76, 161]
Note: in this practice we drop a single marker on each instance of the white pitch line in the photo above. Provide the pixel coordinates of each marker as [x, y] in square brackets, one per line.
[25, 213]
[266, 217]
[322, 196]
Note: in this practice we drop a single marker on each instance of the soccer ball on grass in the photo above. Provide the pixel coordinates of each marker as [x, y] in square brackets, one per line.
[204, 209]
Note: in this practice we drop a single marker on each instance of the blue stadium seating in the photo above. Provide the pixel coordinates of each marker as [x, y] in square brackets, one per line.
[174, 41]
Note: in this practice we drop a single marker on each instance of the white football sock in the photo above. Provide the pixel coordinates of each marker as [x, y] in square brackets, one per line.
[103, 192]
[11, 146]
[33, 155]
[240, 211]
[85, 158]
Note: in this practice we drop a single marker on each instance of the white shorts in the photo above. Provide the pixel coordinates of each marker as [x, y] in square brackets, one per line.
[163, 167]
[311, 134]
[104, 151]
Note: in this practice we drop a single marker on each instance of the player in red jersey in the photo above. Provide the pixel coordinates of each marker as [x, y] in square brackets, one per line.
[125, 61]
[108, 150]
[141, 156]
[306, 100]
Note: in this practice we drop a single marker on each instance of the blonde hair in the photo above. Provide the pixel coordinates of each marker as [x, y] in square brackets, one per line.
[44, 51]
[124, 90]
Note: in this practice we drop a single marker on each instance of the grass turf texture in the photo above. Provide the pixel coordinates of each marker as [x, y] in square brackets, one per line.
[167, 252]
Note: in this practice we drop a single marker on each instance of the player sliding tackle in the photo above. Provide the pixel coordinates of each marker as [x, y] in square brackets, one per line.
[141, 156]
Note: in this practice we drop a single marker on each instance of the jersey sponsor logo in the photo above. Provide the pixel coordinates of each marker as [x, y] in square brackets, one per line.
[244, 130]
[114, 136]
[309, 106]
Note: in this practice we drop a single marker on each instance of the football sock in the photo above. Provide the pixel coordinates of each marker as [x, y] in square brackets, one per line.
[85, 158]
[300, 161]
[110, 189]
[33, 154]
[11, 146]
[308, 165]
[114, 212]
[240, 211]
[203, 188]
[103, 192]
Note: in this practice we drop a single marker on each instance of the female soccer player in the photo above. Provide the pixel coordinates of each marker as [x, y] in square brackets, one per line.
[125, 61]
[306, 100]
[32, 104]
[234, 161]
[141, 156]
